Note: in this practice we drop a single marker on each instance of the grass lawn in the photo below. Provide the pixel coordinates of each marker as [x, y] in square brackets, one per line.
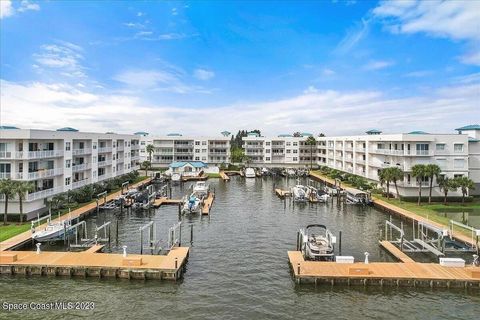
[213, 175]
[15, 228]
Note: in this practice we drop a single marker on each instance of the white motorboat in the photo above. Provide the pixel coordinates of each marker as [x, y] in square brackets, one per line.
[317, 243]
[250, 173]
[300, 193]
[53, 231]
[176, 177]
[265, 172]
[192, 204]
[316, 194]
[355, 196]
[290, 172]
[200, 189]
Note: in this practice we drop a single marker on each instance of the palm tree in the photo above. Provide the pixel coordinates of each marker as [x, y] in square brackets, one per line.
[419, 172]
[311, 141]
[396, 174]
[21, 188]
[465, 184]
[6, 189]
[431, 171]
[150, 149]
[446, 184]
[385, 177]
[146, 165]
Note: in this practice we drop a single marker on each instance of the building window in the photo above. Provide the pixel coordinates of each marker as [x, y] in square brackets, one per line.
[295, 144]
[204, 158]
[267, 158]
[442, 163]
[67, 146]
[295, 151]
[94, 173]
[204, 143]
[459, 163]
[142, 143]
[197, 143]
[197, 158]
[457, 175]
[295, 159]
[197, 150]
[267, 151]
[67, 163]
[267, 143]
[288, 150]
[289, 143]
[422, 148]
[94, 145]
[458, 147]
[440, 146]
[67, 181]
[204, 150]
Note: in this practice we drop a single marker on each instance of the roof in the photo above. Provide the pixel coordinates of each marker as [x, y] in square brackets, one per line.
[8, 128]
[284, 135]
[253, 134]
[471, 139]
[418, 132]
[373, 131]
[195, 164]
[306, 134]
[141, 133]
[226, 133]
[469, 127]
[68, 129]
[174, 135]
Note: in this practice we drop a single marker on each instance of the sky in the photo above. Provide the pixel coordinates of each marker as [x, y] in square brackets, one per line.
[202, 67]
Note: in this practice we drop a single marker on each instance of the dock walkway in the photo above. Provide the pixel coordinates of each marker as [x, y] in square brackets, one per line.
[92, 264]
[164, 200]
[283, 193]
[26, 236]
[396, 252]
[383, 273]
[224, 176]
[207, 203]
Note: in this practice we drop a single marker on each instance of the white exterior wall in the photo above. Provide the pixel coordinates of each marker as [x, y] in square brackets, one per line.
[67, 166]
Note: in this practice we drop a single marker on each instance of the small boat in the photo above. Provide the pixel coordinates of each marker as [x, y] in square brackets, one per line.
[52, 232]
[200, 189]
[300, 193]
[109, 205]
[290, 172]
[265, 172]
[317, 243]
[355, 196]
[250, 173]
[317, 194]
[176, 177]
[192, 204]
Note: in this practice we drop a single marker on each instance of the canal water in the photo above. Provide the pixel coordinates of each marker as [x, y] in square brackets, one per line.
[238, 266]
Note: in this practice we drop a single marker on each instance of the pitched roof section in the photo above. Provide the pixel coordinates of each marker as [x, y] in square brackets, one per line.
[418, 132]
[68, 129]
[195, 164]
[373, 131]
[469, 127]
[8, 128]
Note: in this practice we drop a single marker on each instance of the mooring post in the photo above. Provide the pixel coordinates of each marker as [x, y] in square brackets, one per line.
[340, 243]
[298, 240]
[176, 262]
[64, 233]
[124, 251]
[121, 203]
[180, 235]
[141, 241]
[298, 268]
[116, 232]
[38, 248]
[191, 233]
[179, 212]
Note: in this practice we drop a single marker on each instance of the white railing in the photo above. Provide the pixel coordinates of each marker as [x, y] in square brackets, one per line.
[11, 155]
[80, 167]
[44, 154]
[120, 148]
[5, 175]
[136, 157]
[44, 193]
[104, 163]
[77, 152]
[135, 147]
[104, 176]
[80, 183]
[135, 167]
[104, 150]
[44, 173]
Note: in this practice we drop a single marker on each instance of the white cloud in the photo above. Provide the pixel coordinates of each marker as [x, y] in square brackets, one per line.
[174, 11]
[378, 64]
[63, 56]
[328, 72]
[203, 74]
[456, 20]
[140, 14]
[27, 5]
[418, 74]
[6, 9]
[353, 37]
[38, 105]
[310, 90]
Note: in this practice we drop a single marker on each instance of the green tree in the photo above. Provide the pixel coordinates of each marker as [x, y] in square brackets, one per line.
[311, 141]
[150, 149]
[465, 184]
[21, 188]
[145, 166]
[419, 172]
[396, 174]
[431, 171]
[8, 192]
[446, 184]
[385, 177]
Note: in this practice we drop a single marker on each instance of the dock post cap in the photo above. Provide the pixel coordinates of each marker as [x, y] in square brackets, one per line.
[366, 257]
[38, 248]
[124, 251]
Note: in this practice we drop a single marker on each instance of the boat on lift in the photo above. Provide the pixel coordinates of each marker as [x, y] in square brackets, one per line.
[200, 189]
[250, 173]
[192, 205]
[52, 232]
[265, 172]
[300, 193]
[355, 196]
[290, 172]
[317, 194]
[317, 243]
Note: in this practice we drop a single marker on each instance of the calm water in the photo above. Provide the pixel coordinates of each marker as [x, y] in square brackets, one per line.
[238, 268]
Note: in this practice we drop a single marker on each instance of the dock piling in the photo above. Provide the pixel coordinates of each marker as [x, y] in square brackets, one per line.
[340, 243]
[191, 233]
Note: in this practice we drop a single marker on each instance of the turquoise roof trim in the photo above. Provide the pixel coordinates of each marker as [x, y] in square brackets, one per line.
[195, 164]
[68, 129]
[471, 139]
[141, 133]
[469, 127]
[373, 131]
[8, 128]
[306, 134]
[174, 135]
[284, 135]
[418, 132]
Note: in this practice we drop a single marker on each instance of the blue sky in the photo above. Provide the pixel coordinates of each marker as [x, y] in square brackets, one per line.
[338, 67]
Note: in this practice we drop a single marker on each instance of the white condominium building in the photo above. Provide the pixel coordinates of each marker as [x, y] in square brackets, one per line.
[61, 160]
[175, 147]
[366, 155]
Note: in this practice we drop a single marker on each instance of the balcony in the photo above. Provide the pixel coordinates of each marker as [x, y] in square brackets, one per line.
[389, 152]
[77, 152]
[11, 155]
[80, 183]
[105, 150]
[135, 157]
[5, 175]
[45, 173]
[120, 160]
[44, 154]
[104, 163]
[81, 167]
[120, 148]
[44, 193]
[135, 147]
[360, 149]
[104, 176]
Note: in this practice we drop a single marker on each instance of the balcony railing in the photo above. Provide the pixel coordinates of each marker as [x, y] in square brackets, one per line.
[40, 174]
[77, 152]
[105, 150]
[104, 176]
[120, 148]
[135, 147]
[44, 154]
[80, 183]
[104, 163]
[44, 193]
[5, 175]
[81, 167]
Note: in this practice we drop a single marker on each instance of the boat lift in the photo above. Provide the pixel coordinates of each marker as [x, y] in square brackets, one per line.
[474, 236]
[153, 242]
[85, 241]
[175, 235]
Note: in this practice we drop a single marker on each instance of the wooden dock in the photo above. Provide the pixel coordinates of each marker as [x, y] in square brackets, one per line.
[99, 265]
[201, 177]
[323, 178]
[282, 193]
[207, 203]
[396, 252]
[166, 201]
[77, 213]
[410, 274]
[224, 176]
